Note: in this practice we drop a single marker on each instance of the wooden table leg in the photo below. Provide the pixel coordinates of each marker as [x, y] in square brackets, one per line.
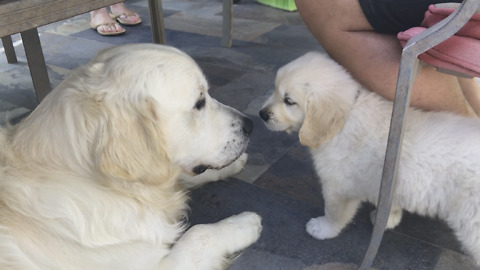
[36, 63]
[9, 49]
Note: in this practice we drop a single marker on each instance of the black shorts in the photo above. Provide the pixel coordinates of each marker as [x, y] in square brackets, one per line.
[393, 16]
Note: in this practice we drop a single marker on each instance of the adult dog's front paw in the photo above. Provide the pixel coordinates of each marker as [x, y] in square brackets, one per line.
[242, 230]
[320, 228]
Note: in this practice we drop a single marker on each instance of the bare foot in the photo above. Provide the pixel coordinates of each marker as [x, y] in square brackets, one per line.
[103, 23]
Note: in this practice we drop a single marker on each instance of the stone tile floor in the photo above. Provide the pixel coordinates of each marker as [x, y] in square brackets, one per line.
[278, 182]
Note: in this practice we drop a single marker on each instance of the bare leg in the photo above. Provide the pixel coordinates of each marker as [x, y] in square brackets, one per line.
[372, 58]
[128, 16]
[471, 91]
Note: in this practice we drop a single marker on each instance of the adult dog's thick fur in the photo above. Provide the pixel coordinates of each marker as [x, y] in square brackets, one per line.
[346, 128]
[89, 179]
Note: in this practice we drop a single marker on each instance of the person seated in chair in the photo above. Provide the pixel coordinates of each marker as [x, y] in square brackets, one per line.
[361, 36]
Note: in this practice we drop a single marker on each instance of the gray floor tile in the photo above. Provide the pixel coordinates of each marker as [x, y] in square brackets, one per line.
[284, 233]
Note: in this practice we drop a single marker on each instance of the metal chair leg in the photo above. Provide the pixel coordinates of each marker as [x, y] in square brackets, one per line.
[157, 23]
[227, 23]
[408, 69]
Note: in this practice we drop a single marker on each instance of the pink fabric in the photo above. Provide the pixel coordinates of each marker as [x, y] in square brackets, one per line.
[460, 53]
[433, 15]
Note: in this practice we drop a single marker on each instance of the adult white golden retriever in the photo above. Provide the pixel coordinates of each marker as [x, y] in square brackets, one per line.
[346, 129]
[89, 179]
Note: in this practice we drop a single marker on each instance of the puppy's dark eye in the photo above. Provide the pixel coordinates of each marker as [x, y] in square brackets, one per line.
[288, 101]
[200, 104]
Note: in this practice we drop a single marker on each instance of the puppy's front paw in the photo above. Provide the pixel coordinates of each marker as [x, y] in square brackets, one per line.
[320, 228]
[241, 230]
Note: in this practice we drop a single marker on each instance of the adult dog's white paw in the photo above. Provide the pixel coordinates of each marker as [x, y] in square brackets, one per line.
[242, 230]
[320, 228]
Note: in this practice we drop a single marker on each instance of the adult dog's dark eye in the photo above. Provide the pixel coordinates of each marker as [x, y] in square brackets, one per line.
[289, 101]
[200, 104]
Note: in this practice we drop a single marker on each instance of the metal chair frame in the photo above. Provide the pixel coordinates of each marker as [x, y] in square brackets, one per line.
[409, 66]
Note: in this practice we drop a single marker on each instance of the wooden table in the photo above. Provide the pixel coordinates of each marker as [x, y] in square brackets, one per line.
[24, 16]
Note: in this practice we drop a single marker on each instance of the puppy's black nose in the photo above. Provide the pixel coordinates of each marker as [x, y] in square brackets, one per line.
[247, 126]
[264, 114]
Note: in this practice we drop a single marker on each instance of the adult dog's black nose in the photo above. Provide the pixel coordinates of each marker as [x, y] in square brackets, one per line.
[264, 114]
[247, 126]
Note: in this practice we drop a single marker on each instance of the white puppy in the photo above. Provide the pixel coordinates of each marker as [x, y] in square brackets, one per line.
[346, 128]
[89, 179]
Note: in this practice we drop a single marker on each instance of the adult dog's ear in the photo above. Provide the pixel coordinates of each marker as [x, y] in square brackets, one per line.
[324, 118]
[130, 146]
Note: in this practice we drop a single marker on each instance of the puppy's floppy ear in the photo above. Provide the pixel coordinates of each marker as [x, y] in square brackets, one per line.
[324, 118]
[130, 146]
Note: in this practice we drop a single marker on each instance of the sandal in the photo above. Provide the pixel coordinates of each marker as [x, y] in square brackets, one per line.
[121, 20]
[105, 33]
